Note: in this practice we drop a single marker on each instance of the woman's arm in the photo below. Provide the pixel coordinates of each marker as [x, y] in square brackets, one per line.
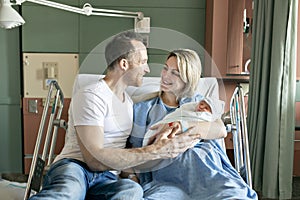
[205, 129]
[209, 130]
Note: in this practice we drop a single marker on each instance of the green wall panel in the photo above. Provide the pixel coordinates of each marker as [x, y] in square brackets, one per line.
[62, 31]
[11, 139]
[10, 93]
[94, 63]
[49, 29]
[156, 63]
[175, 17]
[190, 21]
[94, 30]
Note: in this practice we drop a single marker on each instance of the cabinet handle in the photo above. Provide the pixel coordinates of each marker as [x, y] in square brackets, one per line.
[234, 66]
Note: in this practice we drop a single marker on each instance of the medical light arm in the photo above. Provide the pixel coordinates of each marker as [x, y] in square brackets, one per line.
[87, 9]
[10, 18]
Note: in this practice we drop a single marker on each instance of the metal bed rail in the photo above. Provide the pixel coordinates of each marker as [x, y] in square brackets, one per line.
[238, 128]
[39, 160]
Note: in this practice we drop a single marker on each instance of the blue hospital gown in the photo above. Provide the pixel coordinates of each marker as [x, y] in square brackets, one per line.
[203, 172]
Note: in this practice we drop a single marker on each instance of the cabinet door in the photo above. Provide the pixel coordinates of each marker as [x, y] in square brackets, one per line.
[225, 37]
[235, 37]
[298, 45]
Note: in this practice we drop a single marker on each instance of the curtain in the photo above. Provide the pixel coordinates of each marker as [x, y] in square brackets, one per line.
[271, 104]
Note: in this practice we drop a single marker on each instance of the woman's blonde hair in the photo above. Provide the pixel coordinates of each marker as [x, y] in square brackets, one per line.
[189, 66]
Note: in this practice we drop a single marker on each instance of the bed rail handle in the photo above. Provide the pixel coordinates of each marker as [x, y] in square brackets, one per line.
[238, 128]
[38, 162]
[61, 94]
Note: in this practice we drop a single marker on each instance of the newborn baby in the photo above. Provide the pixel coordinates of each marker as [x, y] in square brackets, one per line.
[207, 109]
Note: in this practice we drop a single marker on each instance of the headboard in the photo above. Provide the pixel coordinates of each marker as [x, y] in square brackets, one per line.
[208, 86]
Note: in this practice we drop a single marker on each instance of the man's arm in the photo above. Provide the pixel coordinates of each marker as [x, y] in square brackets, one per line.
[98, 158]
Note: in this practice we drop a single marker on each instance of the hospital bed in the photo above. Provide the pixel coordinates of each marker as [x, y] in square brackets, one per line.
[207, 87]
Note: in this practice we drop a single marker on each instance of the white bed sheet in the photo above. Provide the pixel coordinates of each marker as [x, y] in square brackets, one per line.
[11, 190]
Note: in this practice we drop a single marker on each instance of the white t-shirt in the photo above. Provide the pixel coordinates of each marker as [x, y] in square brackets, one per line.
[97, 105]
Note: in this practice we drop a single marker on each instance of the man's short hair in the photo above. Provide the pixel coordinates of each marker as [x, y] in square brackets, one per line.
[120, 47]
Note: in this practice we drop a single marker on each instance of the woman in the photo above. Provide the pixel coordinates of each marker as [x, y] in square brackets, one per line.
[203, 172]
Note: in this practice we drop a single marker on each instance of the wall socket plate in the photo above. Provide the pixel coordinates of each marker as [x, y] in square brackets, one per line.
[32, 106]
[50, 70]
[142, 25]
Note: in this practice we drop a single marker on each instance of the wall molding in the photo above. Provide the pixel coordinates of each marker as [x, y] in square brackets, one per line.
[9, 101]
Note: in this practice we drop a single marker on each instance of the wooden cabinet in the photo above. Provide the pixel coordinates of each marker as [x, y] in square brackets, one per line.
[227, 41]
[229, 46]
[298, 43]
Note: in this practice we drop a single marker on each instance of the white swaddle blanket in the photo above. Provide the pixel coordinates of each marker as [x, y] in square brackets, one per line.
[187, 113]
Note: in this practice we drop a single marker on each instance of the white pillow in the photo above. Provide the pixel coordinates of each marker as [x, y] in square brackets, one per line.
[207, 86]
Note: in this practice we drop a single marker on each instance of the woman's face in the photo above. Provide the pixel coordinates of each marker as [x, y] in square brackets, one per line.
[170, 77]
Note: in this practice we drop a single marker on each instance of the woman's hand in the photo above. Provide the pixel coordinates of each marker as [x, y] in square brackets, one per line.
[176, 128]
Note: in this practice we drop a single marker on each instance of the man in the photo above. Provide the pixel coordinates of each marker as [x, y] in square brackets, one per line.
[100, 121]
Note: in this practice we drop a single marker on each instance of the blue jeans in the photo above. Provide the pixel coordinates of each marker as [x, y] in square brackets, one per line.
[71, 179]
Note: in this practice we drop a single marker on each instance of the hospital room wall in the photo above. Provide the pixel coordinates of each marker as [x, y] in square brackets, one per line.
[65, 32]
[10, 112]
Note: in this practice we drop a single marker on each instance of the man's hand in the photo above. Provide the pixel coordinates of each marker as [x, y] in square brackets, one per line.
[98, 158]
[170, 147]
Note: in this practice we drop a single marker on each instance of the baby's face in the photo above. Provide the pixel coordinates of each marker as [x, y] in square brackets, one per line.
[203, 107]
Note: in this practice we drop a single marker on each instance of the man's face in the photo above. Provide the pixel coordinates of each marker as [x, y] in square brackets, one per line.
[138, 67]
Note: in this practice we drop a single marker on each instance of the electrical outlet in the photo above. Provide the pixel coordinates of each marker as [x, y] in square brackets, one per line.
[33, 106]
[50, 73]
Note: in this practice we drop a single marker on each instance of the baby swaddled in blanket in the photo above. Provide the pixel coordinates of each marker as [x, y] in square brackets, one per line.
[207, 109]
